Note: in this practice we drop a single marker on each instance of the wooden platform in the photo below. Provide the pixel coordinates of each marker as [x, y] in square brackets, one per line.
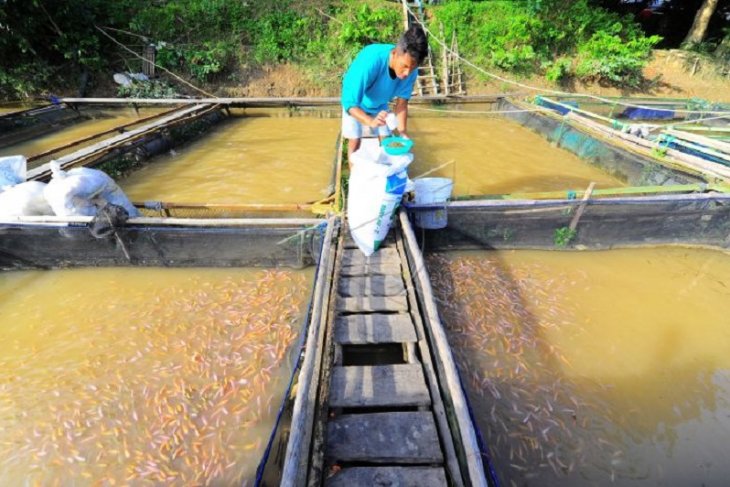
[379, 414]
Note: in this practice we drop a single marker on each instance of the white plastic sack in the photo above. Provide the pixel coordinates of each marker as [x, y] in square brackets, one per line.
[13, 170]
[122, 79]
[80, 191]
[24, 199]
[376, 187]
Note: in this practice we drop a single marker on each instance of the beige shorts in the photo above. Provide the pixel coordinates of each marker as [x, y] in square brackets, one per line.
[352, 129]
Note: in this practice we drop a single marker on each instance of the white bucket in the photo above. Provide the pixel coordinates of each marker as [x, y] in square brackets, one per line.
[432, 190]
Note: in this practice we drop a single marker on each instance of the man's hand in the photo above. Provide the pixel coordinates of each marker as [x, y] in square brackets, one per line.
[379, 119]
[403, 134]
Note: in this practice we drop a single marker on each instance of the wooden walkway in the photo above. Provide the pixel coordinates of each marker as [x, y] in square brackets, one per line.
[382, 411]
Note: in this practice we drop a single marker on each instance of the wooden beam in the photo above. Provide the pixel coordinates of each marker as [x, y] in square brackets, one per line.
[294, 471]
[631, 190]
[676, 158]
[582, 206]
[119, 128]
[699, 139]
[445, 360]
[105, 146]
[272, 102]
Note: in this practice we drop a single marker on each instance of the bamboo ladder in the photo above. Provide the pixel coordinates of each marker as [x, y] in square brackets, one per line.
[453, 77]
[426, 82]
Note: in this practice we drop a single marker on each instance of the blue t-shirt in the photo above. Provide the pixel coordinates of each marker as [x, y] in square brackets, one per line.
[367, 83]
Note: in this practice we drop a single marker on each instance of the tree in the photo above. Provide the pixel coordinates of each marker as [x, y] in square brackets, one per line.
[702, 19]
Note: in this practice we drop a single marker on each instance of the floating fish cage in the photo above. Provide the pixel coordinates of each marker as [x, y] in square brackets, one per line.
[25, 124]
[643, 109]
[574, 224]
[673, 204]
[613, 155]
[55, 244]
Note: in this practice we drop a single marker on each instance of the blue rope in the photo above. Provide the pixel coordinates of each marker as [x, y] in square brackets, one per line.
[300, 346]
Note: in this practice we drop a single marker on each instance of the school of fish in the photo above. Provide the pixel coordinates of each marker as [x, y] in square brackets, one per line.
[190, 401]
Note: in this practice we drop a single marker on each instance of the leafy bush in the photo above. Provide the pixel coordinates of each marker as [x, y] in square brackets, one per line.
[607, 58]
[556, 38]
[147, 89]
[558, 71]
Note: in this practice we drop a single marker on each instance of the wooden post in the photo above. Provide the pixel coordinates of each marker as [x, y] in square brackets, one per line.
[445, 60]
[582, 207]
[148, 64]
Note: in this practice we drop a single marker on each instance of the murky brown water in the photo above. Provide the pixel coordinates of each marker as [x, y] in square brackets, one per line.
[8, 107]
[245, 160]
[143, 376]
[595, 368]
[495, 156]
[100, 122]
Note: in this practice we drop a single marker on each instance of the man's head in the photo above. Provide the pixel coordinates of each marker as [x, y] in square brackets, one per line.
[410, 51]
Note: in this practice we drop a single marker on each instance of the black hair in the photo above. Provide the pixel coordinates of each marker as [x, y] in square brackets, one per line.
[414, 42]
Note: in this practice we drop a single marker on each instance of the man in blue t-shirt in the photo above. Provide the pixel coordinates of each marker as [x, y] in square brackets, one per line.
[379, 73]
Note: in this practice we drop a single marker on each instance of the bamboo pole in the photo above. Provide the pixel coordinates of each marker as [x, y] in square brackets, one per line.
[273, 102]
[119, 128]
[678, 158]
[633, 190]
[97, 150]
[699, 139]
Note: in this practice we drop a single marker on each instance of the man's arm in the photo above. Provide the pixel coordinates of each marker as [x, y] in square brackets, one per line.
[401, 113]
[365, 119]
[361, 73]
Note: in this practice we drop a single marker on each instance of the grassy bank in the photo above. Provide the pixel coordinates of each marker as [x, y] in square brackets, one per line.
[302, 47]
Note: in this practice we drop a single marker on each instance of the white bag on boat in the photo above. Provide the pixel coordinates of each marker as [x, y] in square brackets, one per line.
[377, 183]
[24, 199]
[80, 191]
[13, 170]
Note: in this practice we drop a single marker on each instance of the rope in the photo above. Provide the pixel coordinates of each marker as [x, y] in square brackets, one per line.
[535, 88]
[156, 65]
[477, 112]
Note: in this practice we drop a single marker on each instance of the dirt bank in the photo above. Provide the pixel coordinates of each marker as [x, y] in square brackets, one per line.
[671, 73]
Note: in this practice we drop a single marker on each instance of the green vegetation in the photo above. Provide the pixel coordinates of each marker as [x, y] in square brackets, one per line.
[53, 44]
[563, 236]
[558, 39]
[147, 89]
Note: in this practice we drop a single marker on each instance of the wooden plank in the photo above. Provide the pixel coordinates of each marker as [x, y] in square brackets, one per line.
[356, 258]
[700, 139]
[382, 476]
[373, 329]
[378, 385]
[388, 242]
[373, 304]
[444, 359]
[584, 202]
[297, 450]
[680, 159]
[393, 437]
[450, 443]
[375, 285]
[377, 268]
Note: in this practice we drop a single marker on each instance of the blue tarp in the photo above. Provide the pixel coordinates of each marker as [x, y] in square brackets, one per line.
[540, 101]
[635, 113]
